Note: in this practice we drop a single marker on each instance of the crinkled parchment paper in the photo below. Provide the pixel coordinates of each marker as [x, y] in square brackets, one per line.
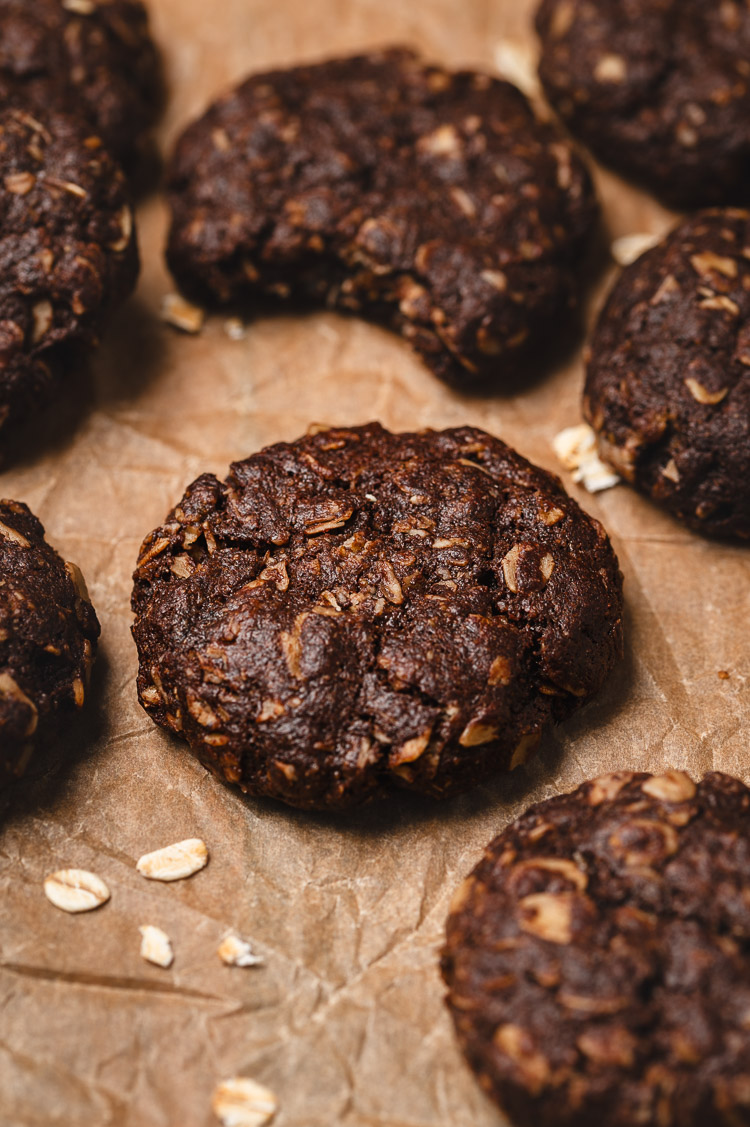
[345, 1021]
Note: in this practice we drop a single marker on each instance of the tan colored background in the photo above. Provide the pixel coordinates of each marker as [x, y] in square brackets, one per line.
[345, 1021]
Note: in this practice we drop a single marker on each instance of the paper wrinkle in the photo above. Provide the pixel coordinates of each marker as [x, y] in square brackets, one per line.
[110, 983]
[345, 1020]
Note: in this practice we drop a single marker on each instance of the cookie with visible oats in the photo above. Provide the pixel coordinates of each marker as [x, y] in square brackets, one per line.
[48, 636]
[92, 58]
[358, 611]
[67, 253]
[598, 957]
[659, 90]
[429, 201]
[668, 374]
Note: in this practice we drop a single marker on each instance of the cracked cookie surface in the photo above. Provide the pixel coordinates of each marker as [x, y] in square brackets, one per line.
[430, 201]
[93, 59]
[668, 374]
[659, 89]
[48, 636]
[598, 957]
[359, 610]
[67, 252]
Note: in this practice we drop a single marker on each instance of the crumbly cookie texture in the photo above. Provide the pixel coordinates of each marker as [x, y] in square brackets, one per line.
[360, 610]
[659, 89]
[598, 957]
[668, 374]
[67, 252]
[48, 635]
[93, 58]
[430, 201]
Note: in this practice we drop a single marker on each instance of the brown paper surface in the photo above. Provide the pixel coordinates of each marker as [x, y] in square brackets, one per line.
[345, 1021]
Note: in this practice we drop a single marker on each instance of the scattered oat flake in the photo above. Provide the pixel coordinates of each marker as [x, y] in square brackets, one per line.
[628, 248]
[182, 314]
[241, 1102]
[574, 444]
[576, 449]
[517, 62]
[156, 946]
[235, 328]
[237, 952]
[174, 862]
[76, 890]
[595, 476]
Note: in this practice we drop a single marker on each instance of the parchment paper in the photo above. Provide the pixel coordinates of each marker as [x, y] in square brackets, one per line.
[345, 1022]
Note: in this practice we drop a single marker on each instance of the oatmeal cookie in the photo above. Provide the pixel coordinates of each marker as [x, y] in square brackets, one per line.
[430, 201]
[48, 636]
[67, 253]
[359, 610]
[598, 957]
[659, 90]
[668, 374]
[94, 59]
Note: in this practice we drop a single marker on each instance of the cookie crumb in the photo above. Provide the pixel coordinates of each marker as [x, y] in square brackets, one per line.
[182, 314]
[241, 1102]
[235, 328]
[575, 447]
[156, 946]
[237, 952]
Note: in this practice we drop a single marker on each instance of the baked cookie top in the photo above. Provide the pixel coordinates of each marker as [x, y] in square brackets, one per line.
[67, 250]
[659, 89]
[92, 58]
[668, 373]
[359, 610]
[429, 200]
[48, 635]
[598, 957]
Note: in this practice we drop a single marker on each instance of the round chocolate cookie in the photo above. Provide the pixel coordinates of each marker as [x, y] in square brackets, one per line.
[668, 379]
[48, 635]
[430, 201]
[598, 957]
[67, 252]
[92, 58]
[659, 89]
[360, 610]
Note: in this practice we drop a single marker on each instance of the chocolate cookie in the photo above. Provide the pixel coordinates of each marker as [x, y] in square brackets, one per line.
[360, 610]
[92, 58]
[659, 89]
[668, 381]
[48, 635]
[598, 957]
[67, 252]
[430, 201]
